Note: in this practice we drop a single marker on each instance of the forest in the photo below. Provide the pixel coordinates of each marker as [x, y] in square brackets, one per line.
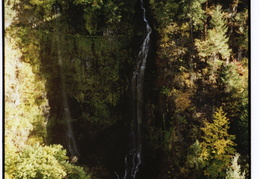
[126, 89]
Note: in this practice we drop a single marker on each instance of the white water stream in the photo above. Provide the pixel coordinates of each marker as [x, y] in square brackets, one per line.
[70, 139]
[133, 159]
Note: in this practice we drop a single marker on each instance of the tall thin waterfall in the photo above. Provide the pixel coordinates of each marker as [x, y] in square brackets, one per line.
[70, 140]
[134, 158]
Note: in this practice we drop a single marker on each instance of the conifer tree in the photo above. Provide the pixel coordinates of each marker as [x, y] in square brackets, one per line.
[193, 10]
[234, 171]
[194, 160]
[216, 46]
[217, 145]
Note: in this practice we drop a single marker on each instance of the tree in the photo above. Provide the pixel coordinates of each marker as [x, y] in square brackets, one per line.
[215, 46]
[217, 145]
[234, 78]
[193, 10]
[234, 171]
[194, 159]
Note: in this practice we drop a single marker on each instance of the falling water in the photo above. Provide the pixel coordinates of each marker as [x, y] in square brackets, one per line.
[70, 140]
[134, 158]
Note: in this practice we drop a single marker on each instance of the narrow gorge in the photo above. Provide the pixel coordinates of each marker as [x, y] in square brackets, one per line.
[130, 89]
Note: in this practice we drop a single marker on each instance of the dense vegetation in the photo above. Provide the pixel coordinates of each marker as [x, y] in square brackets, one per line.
[196, 87]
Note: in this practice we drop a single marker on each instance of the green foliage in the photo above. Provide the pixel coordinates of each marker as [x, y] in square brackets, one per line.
[192, 9]
[166, 11]
[43, 162]
[215, 44]
[194, 159]
[171, 51]
[170, 137]
[98, 13]
[36, 13]
[192, 82]
[200, 79]
[82, 55]
[112, 11]
[26, 104]
[101, 91]
[217, 145]
[90, 21]
[27, 110]
[235, 77]
[242, 28]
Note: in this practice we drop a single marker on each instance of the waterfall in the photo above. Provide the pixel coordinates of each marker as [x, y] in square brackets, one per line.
[134, 158]
[70, 139]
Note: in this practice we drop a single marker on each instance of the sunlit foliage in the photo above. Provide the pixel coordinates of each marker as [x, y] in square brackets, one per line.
[217, 146]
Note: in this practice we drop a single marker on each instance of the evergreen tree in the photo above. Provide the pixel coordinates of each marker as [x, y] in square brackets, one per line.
[215, 46]
[217, 145]
[234, 171]
[193, 10]
[194, 160]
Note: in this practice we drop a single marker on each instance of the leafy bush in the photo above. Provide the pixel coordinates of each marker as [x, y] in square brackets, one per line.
[39, 161]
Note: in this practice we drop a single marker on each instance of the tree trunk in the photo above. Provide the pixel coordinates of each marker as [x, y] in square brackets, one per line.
[205, 29]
